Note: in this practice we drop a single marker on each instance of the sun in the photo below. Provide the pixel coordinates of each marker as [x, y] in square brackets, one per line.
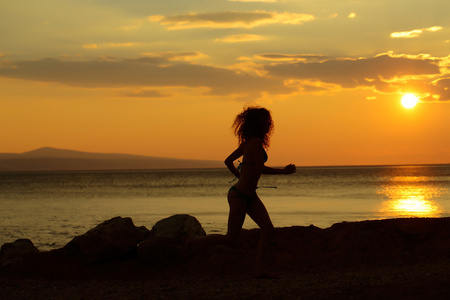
[409, 101]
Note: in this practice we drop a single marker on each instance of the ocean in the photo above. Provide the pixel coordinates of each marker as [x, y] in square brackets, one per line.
[50, 208]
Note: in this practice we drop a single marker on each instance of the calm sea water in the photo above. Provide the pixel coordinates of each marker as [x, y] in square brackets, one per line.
[50, 208]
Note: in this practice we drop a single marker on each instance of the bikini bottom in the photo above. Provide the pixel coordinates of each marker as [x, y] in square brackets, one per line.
[245, 199]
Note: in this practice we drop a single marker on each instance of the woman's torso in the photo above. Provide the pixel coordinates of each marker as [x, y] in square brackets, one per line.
[251, 167]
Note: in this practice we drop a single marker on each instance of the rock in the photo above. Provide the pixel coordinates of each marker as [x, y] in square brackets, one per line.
[177, 226]
[14, 253]
[165, 241]
[113, 239]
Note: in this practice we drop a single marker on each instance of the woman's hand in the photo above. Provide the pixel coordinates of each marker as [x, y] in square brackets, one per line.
[289, 169]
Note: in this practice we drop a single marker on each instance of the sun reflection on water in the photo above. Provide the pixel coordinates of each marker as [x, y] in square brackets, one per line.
[410, 196]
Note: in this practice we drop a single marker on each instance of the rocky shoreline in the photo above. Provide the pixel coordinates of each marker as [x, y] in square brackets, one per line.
[389, 259]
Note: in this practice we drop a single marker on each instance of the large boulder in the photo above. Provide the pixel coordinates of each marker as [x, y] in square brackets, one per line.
[113, 239]
[165, 241]
[177, 227]
[14, 253]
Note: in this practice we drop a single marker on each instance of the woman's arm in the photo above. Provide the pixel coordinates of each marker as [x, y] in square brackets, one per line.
[229, 161]
[289, 169]
[255, 152]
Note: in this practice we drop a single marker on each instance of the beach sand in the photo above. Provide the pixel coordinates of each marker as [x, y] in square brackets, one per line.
[416, 281]
[386, 259]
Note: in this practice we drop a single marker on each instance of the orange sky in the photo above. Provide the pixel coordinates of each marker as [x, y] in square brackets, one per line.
[167, 79]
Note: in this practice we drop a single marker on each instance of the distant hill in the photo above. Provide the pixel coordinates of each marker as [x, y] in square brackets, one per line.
[52, 159]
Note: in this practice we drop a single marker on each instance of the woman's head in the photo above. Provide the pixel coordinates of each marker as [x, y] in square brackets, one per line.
[253, 122]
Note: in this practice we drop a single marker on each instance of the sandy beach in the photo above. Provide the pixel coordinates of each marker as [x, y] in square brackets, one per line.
[387, 259]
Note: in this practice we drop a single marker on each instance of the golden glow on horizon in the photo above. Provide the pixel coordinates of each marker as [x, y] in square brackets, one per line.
[409, 101]
[409, 198]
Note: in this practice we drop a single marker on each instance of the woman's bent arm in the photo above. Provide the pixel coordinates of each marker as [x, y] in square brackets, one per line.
[229, 161]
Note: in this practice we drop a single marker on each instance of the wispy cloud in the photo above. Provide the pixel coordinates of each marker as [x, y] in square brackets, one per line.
[230, 19]
[143, 94]
[136, 24]
[266, 1]
[112, 45]
[175, 56]
[90, 46]
[414, 33]
[236, 38]
[291, 57]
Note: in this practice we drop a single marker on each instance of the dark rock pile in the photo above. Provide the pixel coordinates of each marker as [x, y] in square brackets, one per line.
[114, 240]
[118, 248]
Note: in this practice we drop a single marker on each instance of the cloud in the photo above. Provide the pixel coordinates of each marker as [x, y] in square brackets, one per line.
[136, 24]
[441, 89]
[143, 94]
[291, 57]
[413, 33]
[90, 46]
[175, 56]
[386, 73]
[236, 38]
[350, 73]
[230, 19]
[266, 1]
[274, 75]
[145, 72]
[112, 45]
[434, 90]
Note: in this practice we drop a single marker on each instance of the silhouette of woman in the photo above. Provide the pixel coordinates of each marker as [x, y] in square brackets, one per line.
[253, 128]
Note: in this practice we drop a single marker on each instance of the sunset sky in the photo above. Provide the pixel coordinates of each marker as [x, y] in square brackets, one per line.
[166, 78]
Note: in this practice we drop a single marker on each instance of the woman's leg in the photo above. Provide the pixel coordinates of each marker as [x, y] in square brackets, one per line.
[258, 212]
[236, 219]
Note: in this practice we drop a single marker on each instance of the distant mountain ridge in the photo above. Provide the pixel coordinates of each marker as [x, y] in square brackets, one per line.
[53, 159]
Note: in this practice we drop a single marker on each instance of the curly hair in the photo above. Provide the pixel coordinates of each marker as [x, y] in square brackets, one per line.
[254, 121]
